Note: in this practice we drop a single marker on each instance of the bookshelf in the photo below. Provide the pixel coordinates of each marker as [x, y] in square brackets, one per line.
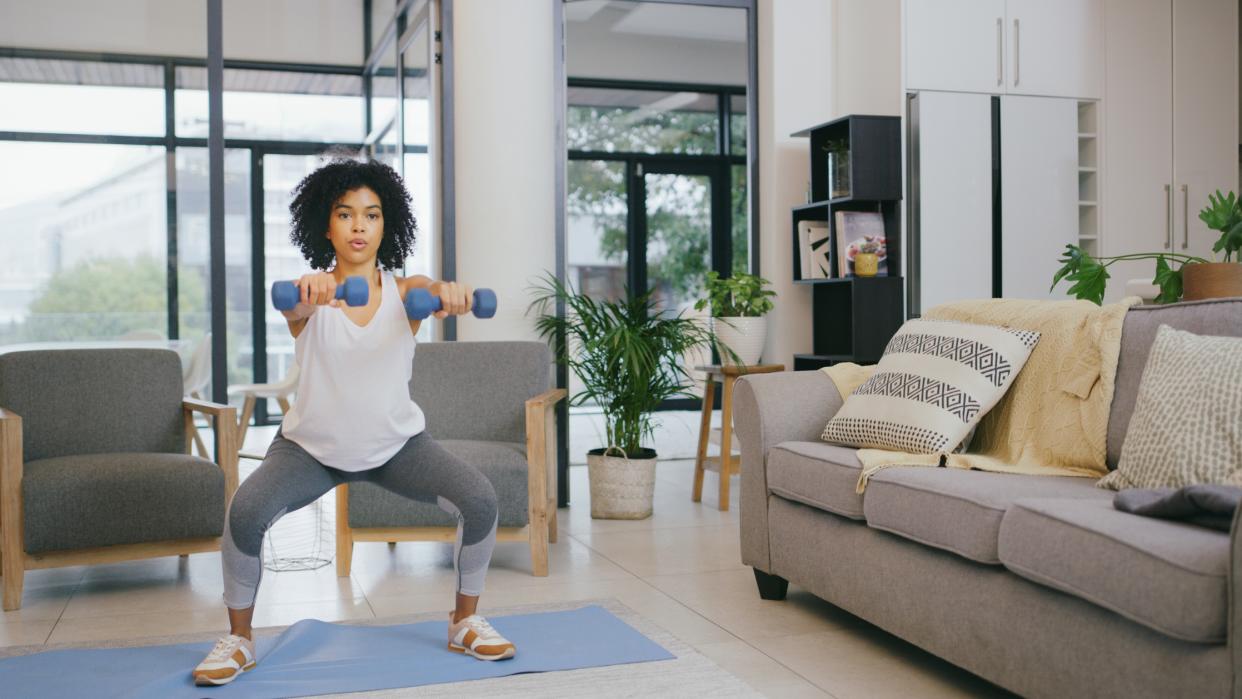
[853, 318]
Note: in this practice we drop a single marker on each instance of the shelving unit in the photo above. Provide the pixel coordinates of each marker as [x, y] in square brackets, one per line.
[1089, 189]
[853, 318]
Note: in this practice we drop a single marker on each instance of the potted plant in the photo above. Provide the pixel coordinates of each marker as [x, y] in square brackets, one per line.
[1179, 276]
[627, 355]
[738, 306]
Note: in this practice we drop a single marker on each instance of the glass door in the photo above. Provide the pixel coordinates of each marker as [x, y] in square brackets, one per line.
[682, 230]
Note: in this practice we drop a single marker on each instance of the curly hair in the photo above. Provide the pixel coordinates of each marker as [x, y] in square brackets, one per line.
[317, 192]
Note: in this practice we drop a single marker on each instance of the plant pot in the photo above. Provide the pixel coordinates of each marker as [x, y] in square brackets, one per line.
[1211, 280]
[745, 336]
[621, 487]
[866, 264]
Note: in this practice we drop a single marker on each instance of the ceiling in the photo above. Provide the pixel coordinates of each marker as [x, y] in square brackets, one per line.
[659, 19]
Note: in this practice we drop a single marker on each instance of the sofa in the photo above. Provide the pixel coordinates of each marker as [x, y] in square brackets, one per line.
[1035, 583]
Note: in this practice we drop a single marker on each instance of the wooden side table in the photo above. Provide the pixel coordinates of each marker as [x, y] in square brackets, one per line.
[726, 464]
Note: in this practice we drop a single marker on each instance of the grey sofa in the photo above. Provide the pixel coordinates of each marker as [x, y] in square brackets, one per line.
[94, 462]
[1035, 583]
[492, 405]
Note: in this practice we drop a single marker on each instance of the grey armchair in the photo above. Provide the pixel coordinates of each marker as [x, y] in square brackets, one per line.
[94, 462]
[490, 404]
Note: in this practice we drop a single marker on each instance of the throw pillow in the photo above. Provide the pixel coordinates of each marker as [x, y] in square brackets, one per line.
[934, 383]
[1187, 422]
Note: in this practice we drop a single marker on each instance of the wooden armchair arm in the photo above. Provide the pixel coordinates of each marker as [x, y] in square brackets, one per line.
[12, 529]
[540, 447]
[224, 427]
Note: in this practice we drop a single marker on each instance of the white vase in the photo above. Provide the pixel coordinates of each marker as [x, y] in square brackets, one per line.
[745, 336]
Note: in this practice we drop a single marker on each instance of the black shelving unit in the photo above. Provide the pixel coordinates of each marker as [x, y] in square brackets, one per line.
[853, 318]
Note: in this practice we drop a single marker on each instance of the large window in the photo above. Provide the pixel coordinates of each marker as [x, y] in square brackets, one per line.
[104, 194]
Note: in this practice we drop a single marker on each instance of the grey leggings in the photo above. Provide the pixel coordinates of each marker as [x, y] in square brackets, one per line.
[290, 479]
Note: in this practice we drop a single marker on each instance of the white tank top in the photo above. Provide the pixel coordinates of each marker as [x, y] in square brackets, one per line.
[353, 409]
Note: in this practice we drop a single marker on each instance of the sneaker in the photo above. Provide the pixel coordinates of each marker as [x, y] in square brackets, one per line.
[474, 636]
[232, 656]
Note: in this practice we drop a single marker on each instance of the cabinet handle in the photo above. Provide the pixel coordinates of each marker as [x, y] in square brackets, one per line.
[1168, 216]
[1185, 216]
[1000, 51]
[1017, 51]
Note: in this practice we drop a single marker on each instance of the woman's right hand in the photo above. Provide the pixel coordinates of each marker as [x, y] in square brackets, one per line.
[315, 289]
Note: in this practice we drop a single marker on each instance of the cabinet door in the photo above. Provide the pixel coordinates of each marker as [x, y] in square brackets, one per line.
[955, 45]
[1205, 114]
[951, 175]
[1039, 191]
[1138, 136]
[1056, 47]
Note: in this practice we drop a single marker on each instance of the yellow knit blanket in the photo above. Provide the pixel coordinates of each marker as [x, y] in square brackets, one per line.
[1054, 418]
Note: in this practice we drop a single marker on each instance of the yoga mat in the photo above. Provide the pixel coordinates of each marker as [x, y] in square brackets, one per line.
[314, 657]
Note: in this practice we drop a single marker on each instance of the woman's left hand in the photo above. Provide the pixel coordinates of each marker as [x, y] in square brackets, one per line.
[455, 299]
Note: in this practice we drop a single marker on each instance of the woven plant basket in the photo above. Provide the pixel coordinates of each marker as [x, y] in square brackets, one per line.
[621, 487]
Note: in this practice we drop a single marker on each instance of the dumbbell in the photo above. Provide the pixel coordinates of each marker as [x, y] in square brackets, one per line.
[419, 303]
[286, 295]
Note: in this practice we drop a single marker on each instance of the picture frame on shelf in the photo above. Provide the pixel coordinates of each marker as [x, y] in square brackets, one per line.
[815, 249]
[860, 231]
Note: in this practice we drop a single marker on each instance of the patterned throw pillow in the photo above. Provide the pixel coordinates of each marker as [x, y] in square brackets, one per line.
[936, 380]
[1187, 422]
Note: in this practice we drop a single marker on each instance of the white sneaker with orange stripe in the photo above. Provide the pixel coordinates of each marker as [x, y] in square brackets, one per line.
[474, 636]
[231, 656]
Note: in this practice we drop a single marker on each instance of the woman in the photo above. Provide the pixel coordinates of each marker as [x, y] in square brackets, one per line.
[353, 419]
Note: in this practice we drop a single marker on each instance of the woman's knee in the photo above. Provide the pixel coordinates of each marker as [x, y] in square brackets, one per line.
[248, 519]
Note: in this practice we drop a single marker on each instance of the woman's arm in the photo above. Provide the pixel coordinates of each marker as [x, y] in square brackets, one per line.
[315, 289]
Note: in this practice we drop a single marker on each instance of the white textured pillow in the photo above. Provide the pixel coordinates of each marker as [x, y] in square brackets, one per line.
[1187, 422]
[936, 380]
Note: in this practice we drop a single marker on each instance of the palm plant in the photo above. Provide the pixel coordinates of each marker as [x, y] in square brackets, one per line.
[626, 352]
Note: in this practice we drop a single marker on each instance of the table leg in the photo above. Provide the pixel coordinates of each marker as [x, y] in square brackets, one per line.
[726, 436]
[705, 428]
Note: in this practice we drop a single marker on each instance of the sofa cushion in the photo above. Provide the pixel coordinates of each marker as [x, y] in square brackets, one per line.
[1220, 317]
[90, 500]
[817, 474]
[504, 464]
[959, 510]
[1168, 576]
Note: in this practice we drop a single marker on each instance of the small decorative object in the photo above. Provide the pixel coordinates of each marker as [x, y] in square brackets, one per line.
[815, 253]
[628, 357]
[838, 168]
[1179, 276]
[738, 306]
[860, 232]
[866, 261]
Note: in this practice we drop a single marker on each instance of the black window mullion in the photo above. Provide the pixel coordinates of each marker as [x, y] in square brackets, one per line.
[258, 299]
[636, 222]
[170, 200]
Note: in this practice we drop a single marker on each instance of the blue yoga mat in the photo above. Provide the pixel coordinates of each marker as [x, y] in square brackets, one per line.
[314, 657]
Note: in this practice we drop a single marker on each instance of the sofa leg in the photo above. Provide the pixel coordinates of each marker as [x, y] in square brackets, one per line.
[771, 587]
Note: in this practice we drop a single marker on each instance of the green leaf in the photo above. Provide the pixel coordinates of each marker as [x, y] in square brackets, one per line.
[1089, 276]
[1169, 280]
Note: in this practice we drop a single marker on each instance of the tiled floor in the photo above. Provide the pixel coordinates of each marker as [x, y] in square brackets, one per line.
[680, 568]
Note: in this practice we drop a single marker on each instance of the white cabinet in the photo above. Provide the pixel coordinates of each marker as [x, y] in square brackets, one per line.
[1171, 125]
[1205, 114]
[955, 45]
[1031, 47]
[952, 152]
[1056, 47]
[1039, 191]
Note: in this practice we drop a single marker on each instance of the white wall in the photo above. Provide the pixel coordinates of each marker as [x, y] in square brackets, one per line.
[505, 156]
[299, 31]
[867, 57]
[795, 91]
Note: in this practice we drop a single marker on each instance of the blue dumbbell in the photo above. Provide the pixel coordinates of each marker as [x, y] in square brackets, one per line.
[419, 303]
[285, 295]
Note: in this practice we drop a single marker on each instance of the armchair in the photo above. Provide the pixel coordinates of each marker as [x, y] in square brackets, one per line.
[95, 464]
[490, 404]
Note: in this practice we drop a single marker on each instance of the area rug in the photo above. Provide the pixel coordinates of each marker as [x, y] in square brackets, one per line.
[597, 648]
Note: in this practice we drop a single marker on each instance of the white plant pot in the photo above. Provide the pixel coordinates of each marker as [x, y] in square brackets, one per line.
[745, 336]
[621, 488]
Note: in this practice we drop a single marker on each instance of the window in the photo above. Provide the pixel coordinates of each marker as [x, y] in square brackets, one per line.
[274, 105]
[641, 121]
[55, 96]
